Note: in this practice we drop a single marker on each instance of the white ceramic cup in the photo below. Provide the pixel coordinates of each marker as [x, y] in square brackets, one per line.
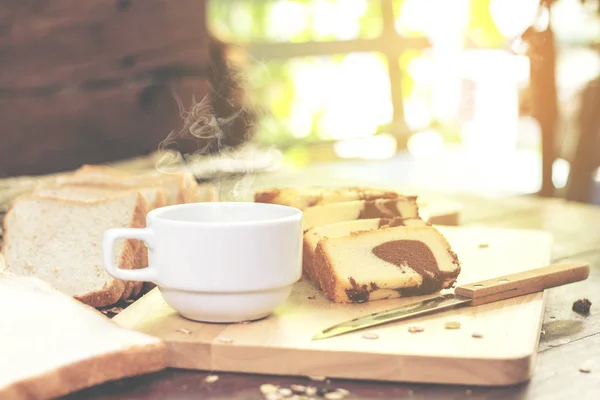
[217, 262]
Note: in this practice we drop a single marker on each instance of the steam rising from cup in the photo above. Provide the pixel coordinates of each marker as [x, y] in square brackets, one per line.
[214, 128]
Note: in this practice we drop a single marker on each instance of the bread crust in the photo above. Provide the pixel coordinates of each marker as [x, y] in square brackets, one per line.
[139, 221]
[326, 275]
[159, 201]
[307, 263]
[161, 198]
[69, 378]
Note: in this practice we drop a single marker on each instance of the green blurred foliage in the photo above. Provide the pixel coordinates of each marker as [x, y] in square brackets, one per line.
[244, 21]
[274, 83]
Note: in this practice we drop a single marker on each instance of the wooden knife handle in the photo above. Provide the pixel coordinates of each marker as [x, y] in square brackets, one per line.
[526, 282]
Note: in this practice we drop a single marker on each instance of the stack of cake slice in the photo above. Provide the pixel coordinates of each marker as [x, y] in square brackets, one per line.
[367, 244]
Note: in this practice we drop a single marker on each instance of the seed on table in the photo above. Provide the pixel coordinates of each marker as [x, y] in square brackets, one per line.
[211, 379]
[184, 331]
[298, 388]
[225, 340]
[317, 378]
[477, 335]
[415, 329]
[333, 396]
[311, 391]
[370, 336]
[484, 246]
[267, 388]
[452, 325]
[342, 391]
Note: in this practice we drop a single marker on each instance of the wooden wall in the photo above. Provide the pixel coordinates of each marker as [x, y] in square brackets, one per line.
[90, 81]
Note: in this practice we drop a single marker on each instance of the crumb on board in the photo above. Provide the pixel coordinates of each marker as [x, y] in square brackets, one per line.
[452, 325]
[371, 336]
[586, 367]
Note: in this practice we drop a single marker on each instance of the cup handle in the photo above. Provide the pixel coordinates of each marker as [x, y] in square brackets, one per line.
[147, 274]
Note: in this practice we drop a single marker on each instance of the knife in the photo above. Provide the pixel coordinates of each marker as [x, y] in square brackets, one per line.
[473, 294]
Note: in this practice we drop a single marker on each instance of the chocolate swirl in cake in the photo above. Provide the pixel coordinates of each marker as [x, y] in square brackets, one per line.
[379, 208]
[418, 256]
[358, 293]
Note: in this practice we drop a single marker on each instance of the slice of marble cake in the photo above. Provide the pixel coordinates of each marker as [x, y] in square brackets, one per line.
[304, 197]
[385, 263]
[314, 235]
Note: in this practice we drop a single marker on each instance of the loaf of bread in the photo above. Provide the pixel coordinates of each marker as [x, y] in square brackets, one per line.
[314, 235]
[385, 263]
[304, 197]
[180, 187]
[400, 206]
[59, 240]
[155, 196]
[52, 345]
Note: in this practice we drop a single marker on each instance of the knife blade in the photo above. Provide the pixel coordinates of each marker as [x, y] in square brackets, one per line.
[473, 294]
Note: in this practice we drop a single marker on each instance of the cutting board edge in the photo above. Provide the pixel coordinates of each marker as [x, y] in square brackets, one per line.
[507, 371]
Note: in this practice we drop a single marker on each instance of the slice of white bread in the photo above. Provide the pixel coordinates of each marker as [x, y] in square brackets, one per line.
[385, 263]
[402, 206]
[155, 197]
[314, 235]
[304, 197]
[181, 187]
[52, 345]
[60, 242]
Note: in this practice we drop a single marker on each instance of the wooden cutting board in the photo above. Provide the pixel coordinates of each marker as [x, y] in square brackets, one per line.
[281, 343]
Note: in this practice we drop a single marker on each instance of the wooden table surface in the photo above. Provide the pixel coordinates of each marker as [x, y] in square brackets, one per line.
[568, 340]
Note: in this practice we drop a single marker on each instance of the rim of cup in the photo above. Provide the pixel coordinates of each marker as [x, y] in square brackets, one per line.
[289, 214]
